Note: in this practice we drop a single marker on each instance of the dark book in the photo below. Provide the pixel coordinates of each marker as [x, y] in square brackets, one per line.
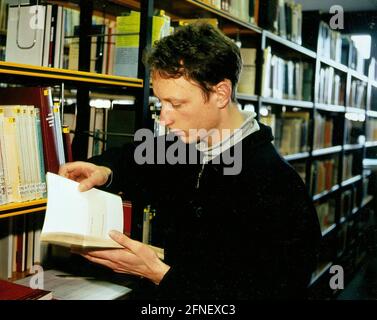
[311, 29]
[127, 217]
[13, 291]
[98, 36]
[67, 144]
[53, 44]
[268, 15]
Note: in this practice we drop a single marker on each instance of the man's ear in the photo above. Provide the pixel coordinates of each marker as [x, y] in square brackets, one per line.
[224, 93]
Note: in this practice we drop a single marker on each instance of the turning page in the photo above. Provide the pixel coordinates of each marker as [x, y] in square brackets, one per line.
[80, 218]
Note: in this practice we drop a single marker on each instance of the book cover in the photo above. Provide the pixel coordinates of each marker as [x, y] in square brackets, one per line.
[14, 291]
[26, 35]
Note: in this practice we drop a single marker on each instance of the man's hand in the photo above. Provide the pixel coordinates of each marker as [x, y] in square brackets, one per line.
[135, 258]
[88, 174]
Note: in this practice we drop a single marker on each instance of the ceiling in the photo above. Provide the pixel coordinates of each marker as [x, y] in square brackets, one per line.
[348, 5]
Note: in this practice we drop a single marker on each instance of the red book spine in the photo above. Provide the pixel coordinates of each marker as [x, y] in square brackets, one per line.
[127, 217]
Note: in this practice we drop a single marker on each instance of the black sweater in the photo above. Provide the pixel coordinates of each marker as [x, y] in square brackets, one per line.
[254, 235]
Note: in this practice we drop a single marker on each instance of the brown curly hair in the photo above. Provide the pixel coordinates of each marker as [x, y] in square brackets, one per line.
[199, 52]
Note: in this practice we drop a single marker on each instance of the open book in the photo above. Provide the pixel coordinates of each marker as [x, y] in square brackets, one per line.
[81, 219]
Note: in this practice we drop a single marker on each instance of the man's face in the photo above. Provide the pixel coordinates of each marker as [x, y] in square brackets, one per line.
[184, 107]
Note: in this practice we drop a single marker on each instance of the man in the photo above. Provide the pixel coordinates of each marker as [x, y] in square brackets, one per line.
[253, 234]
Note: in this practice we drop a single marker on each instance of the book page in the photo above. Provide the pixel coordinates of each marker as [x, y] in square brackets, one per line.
[91, 214]
[65, 286]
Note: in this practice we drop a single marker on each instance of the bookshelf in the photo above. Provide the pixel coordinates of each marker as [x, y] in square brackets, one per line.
[21, 221]
[14, 209]
[251, 36]
[58, 76]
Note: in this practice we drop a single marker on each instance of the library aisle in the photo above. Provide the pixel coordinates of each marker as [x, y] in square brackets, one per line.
[79, 89]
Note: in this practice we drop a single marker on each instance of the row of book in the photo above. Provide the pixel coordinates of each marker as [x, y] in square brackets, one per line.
[246, 10]
[35, 35]
[111, 121]
[113, 48]
[324, 175]
[339, 47]
[286, 79]
[282, 17]
[332, 44]
[332, 87]
[290, 131]
[358, 94]
[31, 142]
[20, 245]
[323, 131]
[348, 201]
[22, 175]
[102, 47]
[114, 44]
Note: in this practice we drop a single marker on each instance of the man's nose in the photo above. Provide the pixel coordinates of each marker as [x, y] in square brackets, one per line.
[165, 116]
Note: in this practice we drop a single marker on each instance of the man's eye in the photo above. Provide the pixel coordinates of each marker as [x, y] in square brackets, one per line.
[176, 105]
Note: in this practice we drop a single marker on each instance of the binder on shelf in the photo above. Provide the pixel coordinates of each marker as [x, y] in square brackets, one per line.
[35, 35]
[26, 35]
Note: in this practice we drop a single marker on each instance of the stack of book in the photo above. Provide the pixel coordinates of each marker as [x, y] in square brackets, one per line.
[331, 87]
